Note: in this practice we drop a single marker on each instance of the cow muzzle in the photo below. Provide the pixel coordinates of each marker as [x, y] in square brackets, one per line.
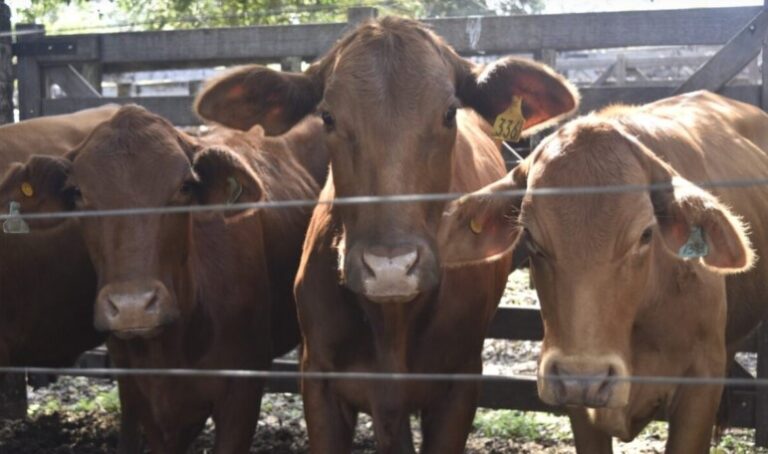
[589, 381]
[134, 309]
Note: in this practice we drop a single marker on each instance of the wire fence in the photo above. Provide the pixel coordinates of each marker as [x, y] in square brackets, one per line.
[383, 376]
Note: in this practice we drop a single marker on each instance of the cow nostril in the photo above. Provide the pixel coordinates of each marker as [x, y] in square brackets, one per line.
[152, 302]
[112, 308]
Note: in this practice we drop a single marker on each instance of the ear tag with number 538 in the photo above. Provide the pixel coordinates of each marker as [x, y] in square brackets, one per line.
[509, 124]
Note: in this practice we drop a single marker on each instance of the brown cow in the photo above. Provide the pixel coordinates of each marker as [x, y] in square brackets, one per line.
[47, 283]
[634, 283]
[210, 290]
[371, 293]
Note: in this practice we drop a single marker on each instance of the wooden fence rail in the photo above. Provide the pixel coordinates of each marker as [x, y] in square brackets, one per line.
[76, 62]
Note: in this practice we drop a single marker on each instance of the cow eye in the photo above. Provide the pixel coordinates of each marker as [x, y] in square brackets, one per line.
[449, 119]
[187, 188]
[646, 236]
[328, 120]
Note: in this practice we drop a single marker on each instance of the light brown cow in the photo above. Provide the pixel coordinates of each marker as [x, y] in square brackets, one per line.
[371, 292]
[634, 283]
[210, 290]
[47, 283]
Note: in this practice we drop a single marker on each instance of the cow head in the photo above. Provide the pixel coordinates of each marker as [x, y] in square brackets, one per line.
[136, 160]
[391, 95]
[602, 263]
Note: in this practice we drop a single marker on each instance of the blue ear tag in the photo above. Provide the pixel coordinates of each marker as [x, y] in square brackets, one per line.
[15, 224]
[696, 246]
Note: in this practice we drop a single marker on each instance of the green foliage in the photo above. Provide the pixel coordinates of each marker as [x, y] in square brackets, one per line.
[85, 15]
[506, 424]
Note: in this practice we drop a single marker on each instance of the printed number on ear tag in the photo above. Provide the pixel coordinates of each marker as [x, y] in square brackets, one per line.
[696, 246]
[509, 124]
[15, 224]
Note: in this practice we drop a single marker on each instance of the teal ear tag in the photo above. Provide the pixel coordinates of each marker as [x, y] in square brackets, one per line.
[15, 224]
[696, 246]
[235, 190]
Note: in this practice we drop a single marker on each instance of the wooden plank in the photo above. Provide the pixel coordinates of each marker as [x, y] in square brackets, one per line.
[597, 97]
[86, 49]
[499, 35]
[731, 59]
[212, 46]
[516, 323]
[72, 82]
[487, 35]
[177, 109]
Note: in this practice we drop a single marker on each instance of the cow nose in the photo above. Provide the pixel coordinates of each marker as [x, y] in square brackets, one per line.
[592, 390]
[591, 383]
[389, 276]
[132, 309]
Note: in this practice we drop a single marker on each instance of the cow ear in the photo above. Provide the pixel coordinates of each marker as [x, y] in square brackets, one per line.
[528, 96]
[37, 186]
[254, 94]
[482, 226]
[225, 178]
[694, 224]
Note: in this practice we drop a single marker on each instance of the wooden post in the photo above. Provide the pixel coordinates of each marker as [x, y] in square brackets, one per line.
[291, 64]
[6, 65]
[13, 387]
[29, 77]
[761, 392]
[359, 14]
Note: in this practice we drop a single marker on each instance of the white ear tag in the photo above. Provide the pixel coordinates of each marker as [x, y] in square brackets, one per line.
[696, 246]
[15, 224]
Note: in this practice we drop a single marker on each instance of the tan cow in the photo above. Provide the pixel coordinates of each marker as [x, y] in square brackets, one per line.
[636, 283]
[371, 292]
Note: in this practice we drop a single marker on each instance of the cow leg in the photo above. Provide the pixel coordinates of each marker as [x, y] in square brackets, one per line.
[691, 419]
[445, 425]
[587, 438]
[392, 431]
[129, 441]
[236, 416]
[330, 421]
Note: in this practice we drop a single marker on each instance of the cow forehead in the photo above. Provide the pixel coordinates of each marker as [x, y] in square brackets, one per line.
[603, 223]
[143, 165]
[391, 67]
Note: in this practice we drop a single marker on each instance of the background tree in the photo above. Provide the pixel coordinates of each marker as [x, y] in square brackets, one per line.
[65, 15]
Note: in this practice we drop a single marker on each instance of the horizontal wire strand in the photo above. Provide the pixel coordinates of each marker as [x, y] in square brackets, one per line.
[400, 198]
[374, 376]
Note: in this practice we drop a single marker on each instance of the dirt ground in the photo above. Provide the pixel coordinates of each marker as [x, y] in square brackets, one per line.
[80, 415]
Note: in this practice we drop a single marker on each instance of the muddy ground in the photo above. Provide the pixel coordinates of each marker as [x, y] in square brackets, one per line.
[80, 415]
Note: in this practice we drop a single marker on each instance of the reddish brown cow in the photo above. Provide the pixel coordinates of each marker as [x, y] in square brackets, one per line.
[47, 283]
[371, 292]
[634, 283]
[210, 290]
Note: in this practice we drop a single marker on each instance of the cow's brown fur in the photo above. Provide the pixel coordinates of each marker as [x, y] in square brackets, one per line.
[47, 283]
[228, 275]
[610, 297]
[371, 293]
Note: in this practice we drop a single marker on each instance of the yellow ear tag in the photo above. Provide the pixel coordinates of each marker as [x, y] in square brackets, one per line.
[509, 124]
[475, 226]
[27, 189]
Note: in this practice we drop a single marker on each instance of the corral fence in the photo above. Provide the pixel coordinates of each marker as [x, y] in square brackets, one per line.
[77, 65]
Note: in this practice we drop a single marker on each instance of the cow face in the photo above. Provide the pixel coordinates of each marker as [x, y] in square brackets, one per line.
[602, 263]
[136, 160]
[392, 96]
